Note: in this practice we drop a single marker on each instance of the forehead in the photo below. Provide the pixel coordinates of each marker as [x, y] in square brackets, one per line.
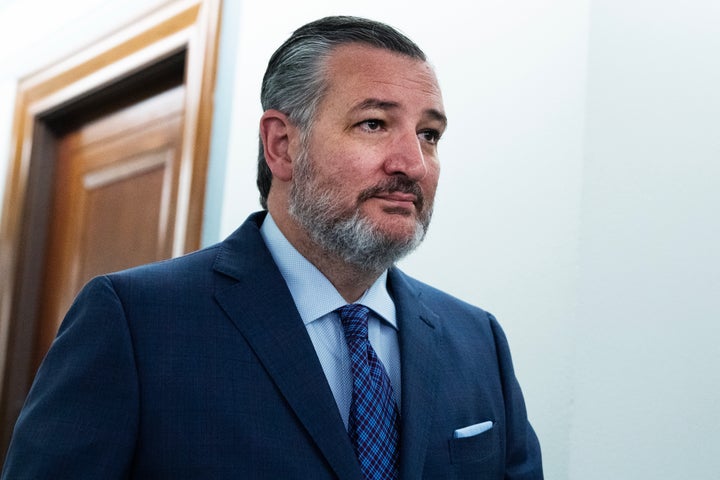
[357, 72]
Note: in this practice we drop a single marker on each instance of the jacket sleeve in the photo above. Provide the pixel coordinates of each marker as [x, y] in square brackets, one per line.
[80, 418]
[523, 459]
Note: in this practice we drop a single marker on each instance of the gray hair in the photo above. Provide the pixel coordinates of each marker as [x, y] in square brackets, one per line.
[295, 81]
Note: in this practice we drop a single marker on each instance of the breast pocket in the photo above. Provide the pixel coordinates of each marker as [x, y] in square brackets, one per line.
[476, 448]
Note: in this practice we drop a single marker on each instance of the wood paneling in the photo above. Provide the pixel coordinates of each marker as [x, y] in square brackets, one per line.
[114, 201]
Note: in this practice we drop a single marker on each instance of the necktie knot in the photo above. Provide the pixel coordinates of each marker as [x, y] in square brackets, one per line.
[354, 318]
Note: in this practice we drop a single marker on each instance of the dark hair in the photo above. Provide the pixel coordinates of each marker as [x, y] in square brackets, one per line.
[295, 82]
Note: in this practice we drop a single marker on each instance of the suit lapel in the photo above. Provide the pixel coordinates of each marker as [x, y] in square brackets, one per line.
[261, 307]
[419, 336]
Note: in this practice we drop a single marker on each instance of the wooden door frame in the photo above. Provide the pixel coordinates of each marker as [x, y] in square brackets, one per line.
[189, 27]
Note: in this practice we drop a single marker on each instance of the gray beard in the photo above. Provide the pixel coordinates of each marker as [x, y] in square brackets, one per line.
[346, 233]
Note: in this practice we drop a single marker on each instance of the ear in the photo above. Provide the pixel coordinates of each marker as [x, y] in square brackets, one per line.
[278, 136]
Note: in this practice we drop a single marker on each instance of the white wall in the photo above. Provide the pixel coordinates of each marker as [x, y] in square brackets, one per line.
[577, 200]
[647, 401]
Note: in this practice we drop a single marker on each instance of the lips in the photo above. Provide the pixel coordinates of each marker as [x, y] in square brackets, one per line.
[399, 197]
[397, 189]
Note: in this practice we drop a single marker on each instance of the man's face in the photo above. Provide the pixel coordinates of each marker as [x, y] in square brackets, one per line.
[364, 184]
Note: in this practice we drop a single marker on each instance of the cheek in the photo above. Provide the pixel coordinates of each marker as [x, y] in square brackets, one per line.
[430, 182]
[336, 159]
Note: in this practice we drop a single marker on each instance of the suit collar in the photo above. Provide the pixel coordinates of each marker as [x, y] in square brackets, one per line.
[261, 307]
[420, 335]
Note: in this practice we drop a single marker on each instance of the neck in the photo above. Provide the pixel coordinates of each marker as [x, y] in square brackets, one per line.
[349, 280]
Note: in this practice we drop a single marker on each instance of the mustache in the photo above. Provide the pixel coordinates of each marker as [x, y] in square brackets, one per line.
[398, 183]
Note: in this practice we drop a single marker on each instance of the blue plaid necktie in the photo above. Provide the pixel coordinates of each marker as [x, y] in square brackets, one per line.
[374, 418]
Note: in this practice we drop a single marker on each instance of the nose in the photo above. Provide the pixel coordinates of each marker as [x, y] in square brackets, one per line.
[406, 157]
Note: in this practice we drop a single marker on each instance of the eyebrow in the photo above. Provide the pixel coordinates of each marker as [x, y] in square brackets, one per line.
[374, 103]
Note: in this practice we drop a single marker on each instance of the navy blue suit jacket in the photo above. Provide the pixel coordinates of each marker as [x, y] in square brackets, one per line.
[200, 367]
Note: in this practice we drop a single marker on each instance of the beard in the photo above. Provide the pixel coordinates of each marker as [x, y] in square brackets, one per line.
[345, 231]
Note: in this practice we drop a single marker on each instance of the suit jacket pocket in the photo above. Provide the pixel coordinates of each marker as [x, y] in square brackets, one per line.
[476, 448]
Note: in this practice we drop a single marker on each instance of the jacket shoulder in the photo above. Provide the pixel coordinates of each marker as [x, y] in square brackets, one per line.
[437, 299]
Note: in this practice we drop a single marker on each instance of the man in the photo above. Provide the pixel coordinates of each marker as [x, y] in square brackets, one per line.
[251, 359]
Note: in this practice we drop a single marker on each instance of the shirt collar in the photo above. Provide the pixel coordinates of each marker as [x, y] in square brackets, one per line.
[312, 292]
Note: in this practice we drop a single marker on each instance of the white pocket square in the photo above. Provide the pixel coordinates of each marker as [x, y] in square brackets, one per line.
[473, 430]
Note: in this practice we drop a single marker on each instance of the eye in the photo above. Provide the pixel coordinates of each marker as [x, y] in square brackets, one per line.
[372, 125]
[430, 135]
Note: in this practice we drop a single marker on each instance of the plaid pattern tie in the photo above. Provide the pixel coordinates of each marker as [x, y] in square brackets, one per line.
[374, 418]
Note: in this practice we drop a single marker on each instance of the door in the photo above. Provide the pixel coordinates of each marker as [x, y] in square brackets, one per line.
[115, 194]
[110, 149]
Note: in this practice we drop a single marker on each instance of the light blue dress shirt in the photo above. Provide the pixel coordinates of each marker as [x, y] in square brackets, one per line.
[317, 299]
